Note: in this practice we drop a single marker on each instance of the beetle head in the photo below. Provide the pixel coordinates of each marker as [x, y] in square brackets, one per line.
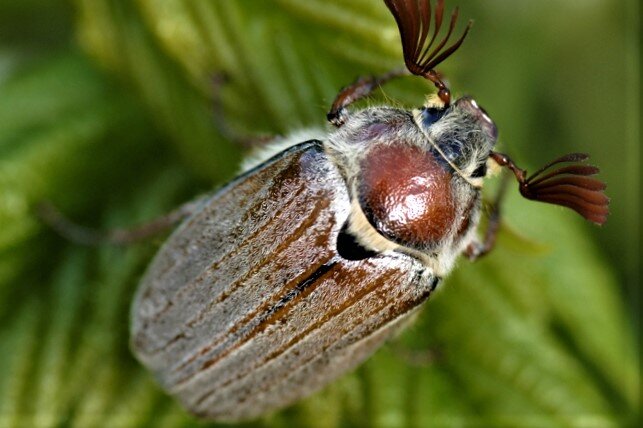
[462, 135]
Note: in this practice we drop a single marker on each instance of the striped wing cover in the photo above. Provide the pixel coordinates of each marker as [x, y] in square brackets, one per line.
[248, 307]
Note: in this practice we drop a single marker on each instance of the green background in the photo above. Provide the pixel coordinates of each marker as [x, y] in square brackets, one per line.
[106, 109]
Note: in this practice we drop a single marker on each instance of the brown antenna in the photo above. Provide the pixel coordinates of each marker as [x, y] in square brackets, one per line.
[569, 186]
[413, 18]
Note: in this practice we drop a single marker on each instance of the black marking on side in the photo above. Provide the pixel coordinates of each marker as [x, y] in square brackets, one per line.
[349, 248]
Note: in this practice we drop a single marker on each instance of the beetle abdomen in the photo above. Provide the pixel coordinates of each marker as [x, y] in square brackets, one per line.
[248, 306]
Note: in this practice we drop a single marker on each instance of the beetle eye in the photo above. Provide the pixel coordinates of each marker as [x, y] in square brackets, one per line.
[452, 151]
[430, 115]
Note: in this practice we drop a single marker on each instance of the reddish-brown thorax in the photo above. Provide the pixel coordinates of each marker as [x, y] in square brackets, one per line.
[406, 195]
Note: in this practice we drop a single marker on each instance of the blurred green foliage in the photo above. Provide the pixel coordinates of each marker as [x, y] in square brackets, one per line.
[106, 110]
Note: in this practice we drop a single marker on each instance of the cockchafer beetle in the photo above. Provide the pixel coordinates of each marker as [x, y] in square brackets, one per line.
[300, 268]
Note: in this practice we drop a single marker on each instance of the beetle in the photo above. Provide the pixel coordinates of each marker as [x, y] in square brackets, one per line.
[297, 270]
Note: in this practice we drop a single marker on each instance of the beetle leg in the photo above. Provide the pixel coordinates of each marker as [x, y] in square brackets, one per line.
[51, 216]
[478, 249]
[359, 89]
